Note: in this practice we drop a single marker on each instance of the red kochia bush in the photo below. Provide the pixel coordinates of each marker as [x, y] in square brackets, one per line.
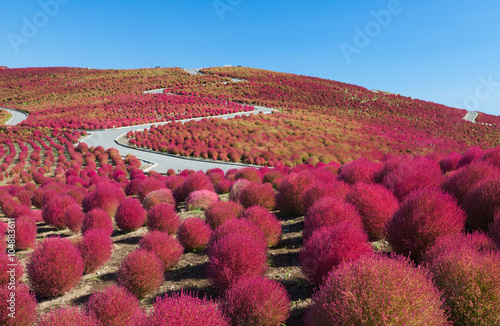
[222, 211]
[238, 226]
[167, 248]
[329, 211]
[328, 247]
[53, 212]
[141, 273]
[25, 232]
[201, 199]
[106, 196]
[290, 192]
[155, 197]
[251, 174]
[233, 256]
[375, 204]
[183, 309]
[449, 162]
[163, 217]
[196, 181]
[67, 316]
[360, 170]
[472, 154]
[97, 219]
[5, 266]
[377, 290]
[73, 217]
[321, 189]
[238, 186]
[130, 215]
[149, 185]
[22, 306]
[193, 234]
[54, 267]
[114, 306]
[421, 218]
[223, 186]
[256, 301]
[258, 194]
[417, 174]
[96, 248]
[266, 221]
[482, 202]
[494, 228]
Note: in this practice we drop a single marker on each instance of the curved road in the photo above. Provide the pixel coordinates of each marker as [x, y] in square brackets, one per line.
[17, 117]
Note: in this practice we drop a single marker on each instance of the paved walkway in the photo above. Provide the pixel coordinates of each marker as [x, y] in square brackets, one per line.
[471, 116]
[17, 117]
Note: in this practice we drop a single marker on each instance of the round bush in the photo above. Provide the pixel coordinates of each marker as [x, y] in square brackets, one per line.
[155, 197]
[54, 267]
[417, 174]
[20, 210]
[67, 316]
[360, 170]
[482, 202]
[97, 219]
[471, 285]
[494, 228]
[183, 309]
[331, 246]
[232, 226]
[233, 256]
[73, 217]
[141, 273]
[95, 248]
[167, 248]
[250, 174]
[256, 301]
[201, 199]
[329, 211]
[193, 234]
[224, 186]
[491, 156]
[19, 310]
[290, 192]
[196, 181]
[25, 232]
[53, 211]
[163, 217]
[132, 188]
[106, 196]
[6, 275]
[421, 218]
[321, 189]
[471, 155]
[377, 290]
[238, 186]
[130, 215]
[258, 194]
[222, 211]
[375, 204]
[149, 185]
[266, 221]
[114, 306]
[449, 162]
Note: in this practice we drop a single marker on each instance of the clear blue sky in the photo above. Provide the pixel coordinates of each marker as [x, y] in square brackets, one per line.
[443, 51]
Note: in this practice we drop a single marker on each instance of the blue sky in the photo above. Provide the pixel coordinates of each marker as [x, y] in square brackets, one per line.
[441, 51]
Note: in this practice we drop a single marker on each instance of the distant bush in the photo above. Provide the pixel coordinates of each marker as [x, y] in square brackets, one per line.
[24, 304]
[165, 247]
[243, 226]
[290, 192]
[67, 316]
[482, 202]
[421, 218]
[141, 273]
[95, 248]
[184, 309]
[222, 211]
[193, 234]
[54, 267]
[266, 221]
[258, 194]
[201, 199]
[97, 219]
[114, 306]
[163, 217]
[328, 247]
[130, 215]
[155, 197]
[73, 217]
[377, 290]
[360, 170]
[234, 256]
[251, 174]
[256, 301]
[375, 204]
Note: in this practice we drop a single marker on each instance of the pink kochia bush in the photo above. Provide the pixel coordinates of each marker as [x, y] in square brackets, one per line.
[377, 290]
[23, 306]
[54, 267]
[233, 256]
[266, 221]
[155, 197]
[167, 248]
[321, 189]
[184, 309]
[67, 316]
[421, 218]
[130, 215]
[494, 228]
[53, 212]
[290, 192]
[242, 226]
[258, 194]
[238, 186]
[73, 217]
[114, 306]
[375, 204]
[328, 247]
[96, 248]
[25, 232]
[193, 234]
[141, 273]
[482, 202]
[256, 301]
[196, 181]
[97, 219]
[201, 199]
[222, 211]
[149, 185]
[163, 217]
[360, 170]
[5, 266]
[106, 196]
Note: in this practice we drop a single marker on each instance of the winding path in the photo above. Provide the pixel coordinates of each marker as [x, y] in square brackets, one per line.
[17, 117]
[471, 116]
